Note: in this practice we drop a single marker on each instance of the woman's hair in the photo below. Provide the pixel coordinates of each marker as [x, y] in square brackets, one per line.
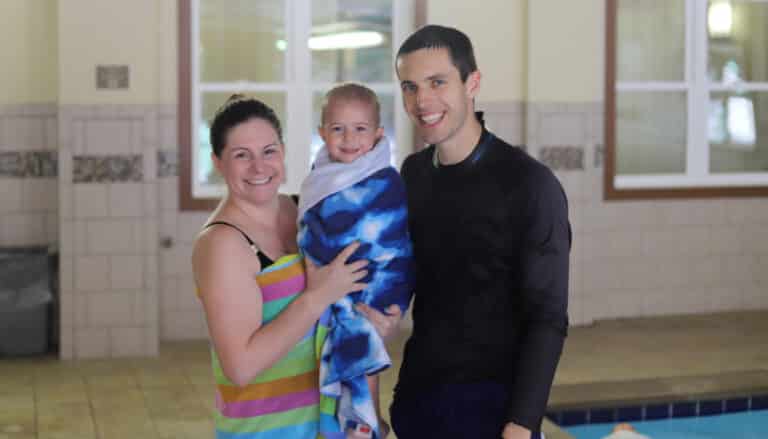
[236, 110]
[351, 91]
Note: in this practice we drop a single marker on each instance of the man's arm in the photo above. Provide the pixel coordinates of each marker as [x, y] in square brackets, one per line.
[544, 289]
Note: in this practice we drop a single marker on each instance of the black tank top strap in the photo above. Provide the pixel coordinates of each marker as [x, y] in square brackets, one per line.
[264, 260]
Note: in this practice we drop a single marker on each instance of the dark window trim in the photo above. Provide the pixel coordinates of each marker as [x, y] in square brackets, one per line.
[609, 191]
[184, 106]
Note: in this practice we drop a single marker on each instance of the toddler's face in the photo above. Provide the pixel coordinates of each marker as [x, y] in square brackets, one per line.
[350, 129]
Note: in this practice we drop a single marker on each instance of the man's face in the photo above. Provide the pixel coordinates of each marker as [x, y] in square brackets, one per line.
[434, 96]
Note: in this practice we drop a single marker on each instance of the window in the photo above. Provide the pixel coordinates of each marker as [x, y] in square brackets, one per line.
[686, 98]
[287, 53]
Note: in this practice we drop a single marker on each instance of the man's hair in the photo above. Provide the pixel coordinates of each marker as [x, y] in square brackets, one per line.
[236, 110]
[351, 91]
[433, 36]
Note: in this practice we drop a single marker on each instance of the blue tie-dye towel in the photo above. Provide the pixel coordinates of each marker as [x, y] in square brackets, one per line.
[341, 203]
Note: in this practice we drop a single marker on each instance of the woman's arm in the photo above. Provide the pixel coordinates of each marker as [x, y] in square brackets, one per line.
[225, 275]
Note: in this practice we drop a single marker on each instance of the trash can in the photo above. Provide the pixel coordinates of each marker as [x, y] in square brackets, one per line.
[25, 299]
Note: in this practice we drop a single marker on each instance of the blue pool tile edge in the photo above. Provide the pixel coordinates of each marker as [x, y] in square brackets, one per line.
[656, 410]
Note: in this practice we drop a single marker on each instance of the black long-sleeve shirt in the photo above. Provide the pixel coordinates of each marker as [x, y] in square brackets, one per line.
[491, 241]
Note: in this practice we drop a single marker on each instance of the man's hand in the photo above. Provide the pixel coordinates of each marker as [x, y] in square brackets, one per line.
[514, 431]
[386, 324]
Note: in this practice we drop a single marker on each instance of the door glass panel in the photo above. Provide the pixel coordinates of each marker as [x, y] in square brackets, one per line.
[239, 40]
[650, 141]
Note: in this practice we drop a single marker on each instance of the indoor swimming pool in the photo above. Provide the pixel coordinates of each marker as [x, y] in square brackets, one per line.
[744, 425]
[732, 418]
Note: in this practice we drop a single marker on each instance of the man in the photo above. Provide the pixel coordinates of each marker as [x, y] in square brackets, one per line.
[491, 240]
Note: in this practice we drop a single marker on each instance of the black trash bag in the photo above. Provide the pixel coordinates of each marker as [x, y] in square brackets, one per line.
[25, 297]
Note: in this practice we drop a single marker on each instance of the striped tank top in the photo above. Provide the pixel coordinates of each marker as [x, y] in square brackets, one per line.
[284, 401]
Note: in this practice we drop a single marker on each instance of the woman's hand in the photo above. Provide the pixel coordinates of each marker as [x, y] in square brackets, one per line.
[514, 431]
[331, 282]
[386, 324]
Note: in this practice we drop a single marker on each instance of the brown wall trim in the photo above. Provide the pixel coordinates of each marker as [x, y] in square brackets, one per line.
[184, 115]
[610, 192]
[609, 125]
[713, 192]
[420, 13]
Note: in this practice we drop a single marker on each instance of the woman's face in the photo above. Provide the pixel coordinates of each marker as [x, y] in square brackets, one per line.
[252, 161]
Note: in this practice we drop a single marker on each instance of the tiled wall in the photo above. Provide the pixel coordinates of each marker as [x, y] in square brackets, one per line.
[637, 258]
[126, 279]
[181, 316]
[644, 258]
[109, 229]
[28, 175]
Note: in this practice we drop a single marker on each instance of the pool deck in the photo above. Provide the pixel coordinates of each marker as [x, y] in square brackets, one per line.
[609, 363]
[661, 359]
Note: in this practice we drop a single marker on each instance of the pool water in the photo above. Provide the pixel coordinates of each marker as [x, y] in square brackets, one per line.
[743, 425]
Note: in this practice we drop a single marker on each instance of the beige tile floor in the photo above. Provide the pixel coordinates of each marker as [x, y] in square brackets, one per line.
[170, 396]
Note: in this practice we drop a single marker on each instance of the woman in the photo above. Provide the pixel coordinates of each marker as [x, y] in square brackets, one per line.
[262, 312]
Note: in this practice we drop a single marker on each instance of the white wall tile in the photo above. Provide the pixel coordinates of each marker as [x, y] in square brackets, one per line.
[39, 194]
[52, 227]
[755, 295]
[112, 309]
[562, 129]
[610, 244]
[80, 314]
[187, 295]
[127, 272]
[167, 129]
[109, 137]
[125, 200]
[91, 343]
[10, 194]
[169, 287]
[91, 273]
[25, 133]
[169, 193]
[91, 200]
[190, 225]
[725, 298]
[183, 325]
[114, 237]
[754, 239]
[707, 212]
[678, 241]
[20, 229]
[726, 240]
[169, 225]
[127, 342]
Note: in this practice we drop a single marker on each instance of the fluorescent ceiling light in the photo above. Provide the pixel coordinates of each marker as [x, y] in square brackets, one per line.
[339, 36]
[346, 40]
[720, 19]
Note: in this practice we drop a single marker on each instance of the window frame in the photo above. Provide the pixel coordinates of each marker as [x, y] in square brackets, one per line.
[185, 125]
[653, 190]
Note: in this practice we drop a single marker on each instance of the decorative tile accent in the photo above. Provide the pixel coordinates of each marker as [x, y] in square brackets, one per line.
[107, 169]
[562, 157]
[41, 163]
[167, 163]
[28, 164]
[11, 164]
[643, 412]
[112, 76]
[599, 149]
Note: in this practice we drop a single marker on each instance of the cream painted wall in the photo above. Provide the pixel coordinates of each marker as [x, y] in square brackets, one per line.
[168, 52]
[498, 32]
[28, 54]
[565, 47]
[94, 32]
